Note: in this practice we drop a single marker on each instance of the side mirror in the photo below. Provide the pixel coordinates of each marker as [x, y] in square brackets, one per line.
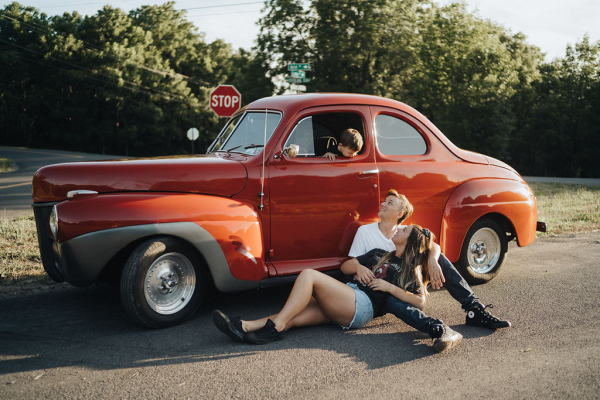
[292, 150]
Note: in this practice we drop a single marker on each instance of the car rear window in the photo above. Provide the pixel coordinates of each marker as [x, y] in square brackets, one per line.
[396, 137]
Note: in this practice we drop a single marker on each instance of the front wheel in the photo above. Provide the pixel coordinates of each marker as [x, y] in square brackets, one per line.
[483, 252]
[162, 283]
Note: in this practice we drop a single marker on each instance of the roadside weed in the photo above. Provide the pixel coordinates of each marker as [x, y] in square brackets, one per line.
[5, 164]
[19, 252]
[567, 208]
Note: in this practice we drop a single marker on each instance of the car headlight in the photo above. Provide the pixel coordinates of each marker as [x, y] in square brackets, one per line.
[53, 222]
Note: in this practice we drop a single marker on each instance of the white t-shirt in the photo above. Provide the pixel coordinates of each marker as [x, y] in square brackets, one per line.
[369, 237]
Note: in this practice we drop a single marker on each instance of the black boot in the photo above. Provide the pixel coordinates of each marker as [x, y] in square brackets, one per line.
[478, 316]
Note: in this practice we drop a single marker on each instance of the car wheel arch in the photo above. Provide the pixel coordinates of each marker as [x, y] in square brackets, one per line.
[114, 252]
[505, 201]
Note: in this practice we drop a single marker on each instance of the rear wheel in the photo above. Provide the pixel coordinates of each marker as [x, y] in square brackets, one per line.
[483, 252]
[162, 283]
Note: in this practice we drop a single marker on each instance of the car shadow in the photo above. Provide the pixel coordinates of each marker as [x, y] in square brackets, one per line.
[88, 327]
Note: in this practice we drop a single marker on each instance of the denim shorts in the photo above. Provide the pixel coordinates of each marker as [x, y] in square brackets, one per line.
[364, 308]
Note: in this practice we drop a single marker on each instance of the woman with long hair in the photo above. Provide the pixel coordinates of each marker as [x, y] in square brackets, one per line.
[318, 299]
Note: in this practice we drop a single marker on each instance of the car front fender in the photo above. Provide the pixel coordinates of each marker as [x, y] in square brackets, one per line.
[227, 233]
[509, 200]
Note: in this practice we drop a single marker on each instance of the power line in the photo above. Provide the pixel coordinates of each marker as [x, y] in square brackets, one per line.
[227, 13]
[107, 53]
[134, 86]
[224, 5]
[88, 4]
[131, 1]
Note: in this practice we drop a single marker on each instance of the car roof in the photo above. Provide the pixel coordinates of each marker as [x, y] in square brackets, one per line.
[292, 102]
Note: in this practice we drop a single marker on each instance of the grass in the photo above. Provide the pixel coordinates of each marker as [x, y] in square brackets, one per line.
[5, 164]
[20, 260]
[565, 209]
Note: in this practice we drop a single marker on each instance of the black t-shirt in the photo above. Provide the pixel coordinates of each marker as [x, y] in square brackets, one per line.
[333, 148]
[389, 271]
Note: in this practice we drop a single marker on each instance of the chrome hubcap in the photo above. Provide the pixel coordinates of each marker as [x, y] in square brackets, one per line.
[484, 251]
[170, 283]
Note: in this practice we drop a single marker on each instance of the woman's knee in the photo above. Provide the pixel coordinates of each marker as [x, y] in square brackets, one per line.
[309, 274]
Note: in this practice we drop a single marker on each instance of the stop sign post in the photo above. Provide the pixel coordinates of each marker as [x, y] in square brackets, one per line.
[225, 100]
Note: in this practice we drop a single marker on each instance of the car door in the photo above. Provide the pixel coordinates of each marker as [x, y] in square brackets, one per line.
[316, 204]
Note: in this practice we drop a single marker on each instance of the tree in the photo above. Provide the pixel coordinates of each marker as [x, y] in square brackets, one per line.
[115, 82]
[560, 134]
[469, 70]
[352, 46]
[22, 82]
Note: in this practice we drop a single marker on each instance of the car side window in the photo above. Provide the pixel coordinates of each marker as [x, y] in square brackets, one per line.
[315, 133]
[396, 137]
[302, 135]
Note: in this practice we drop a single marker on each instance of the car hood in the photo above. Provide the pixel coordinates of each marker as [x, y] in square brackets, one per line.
[201, 174]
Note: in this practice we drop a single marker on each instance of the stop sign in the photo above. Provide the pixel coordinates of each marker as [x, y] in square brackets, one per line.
[225, 100]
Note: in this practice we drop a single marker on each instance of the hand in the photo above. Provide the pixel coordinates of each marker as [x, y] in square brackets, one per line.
[364, 275]
[329, 155]
[380, 285]
[435, 274]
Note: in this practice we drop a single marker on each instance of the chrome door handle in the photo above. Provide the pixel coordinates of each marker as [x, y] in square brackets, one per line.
[73, 193]
[371, 171]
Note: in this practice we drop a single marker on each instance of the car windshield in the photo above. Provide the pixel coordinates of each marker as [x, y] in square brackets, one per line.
[246, 133]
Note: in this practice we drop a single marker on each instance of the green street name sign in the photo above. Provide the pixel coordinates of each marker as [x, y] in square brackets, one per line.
[298, 74]
[299, 67]
[297, 80]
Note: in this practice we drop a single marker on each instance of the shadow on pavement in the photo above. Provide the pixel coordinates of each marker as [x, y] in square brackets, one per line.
[87, 327]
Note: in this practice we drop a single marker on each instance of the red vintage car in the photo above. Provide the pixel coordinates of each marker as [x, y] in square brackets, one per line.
[263, 204]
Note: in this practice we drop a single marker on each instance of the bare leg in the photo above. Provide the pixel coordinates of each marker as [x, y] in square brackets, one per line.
[311, 315]
[315, 299]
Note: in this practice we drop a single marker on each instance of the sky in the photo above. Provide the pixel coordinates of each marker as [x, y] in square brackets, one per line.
[548, 24]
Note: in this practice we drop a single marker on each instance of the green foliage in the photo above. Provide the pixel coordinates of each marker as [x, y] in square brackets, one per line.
[466, 78]
[560, 134]
[5, 164]
[352, 46]
[114, 83]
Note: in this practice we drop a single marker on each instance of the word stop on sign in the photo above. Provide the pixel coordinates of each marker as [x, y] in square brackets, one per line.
[225, 101]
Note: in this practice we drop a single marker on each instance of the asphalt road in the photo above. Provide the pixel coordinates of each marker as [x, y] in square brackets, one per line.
[15, 186]
[78, 343]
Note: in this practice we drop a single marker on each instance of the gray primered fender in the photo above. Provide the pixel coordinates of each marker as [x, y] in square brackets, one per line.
[83, 258]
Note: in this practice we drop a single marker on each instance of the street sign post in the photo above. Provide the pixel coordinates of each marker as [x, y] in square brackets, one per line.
[193, 134]
[225, 100]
